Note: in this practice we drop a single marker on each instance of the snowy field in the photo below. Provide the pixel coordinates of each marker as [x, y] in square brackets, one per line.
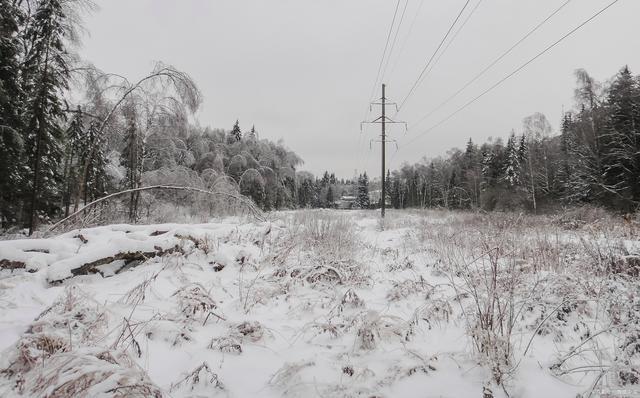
[326, 304]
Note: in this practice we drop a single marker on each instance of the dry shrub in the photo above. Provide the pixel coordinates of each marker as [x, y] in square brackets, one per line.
[578, 217]
[226, 344]
[435, 311]
[372, 328]
[200, 380]
[71, 321]
[401, 265]
[288, 373]
[485, 275]
[169, 331]
[350, 300]
[406, 288]
[90, 372]
[333, 330]
[325, 232]
[194, 301]
[253, 331]
[398, 372]
[35, 349]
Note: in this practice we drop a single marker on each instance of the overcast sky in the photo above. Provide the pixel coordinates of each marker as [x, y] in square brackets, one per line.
[303, 70]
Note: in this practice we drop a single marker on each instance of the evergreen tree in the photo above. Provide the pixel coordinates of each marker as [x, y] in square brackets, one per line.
[330, 197]
[253, 134]
[362, 197]
[621, 142]
[12, 183]
[45, 76]
[236, 133]
[512, 166]
[73, 146]
[325, 179]
[96, 179]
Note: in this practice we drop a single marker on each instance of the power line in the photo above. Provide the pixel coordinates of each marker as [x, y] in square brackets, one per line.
[386, 46]
[406, 38]
[464, 23]
[395, 38]
[433, 56]
[453, 38]
[375, 83]
[494, 62]
[507, 77]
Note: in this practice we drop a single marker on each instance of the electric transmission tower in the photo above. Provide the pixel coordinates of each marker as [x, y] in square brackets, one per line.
[383, 120]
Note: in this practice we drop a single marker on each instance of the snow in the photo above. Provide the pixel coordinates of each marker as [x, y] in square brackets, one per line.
[317, 303]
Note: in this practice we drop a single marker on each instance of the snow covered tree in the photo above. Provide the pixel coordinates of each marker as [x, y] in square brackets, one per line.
[132, 159]
[45, 77]
[621, 141]
[512, 166]
[11, 124]
[253, 134]
[362, 195]
[236, 133]
[330, 196]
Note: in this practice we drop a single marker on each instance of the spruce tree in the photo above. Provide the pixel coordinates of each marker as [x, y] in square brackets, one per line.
[622, 141]
[362, 197]
[236, 133]
[512, 166]
[253, 134]
[45, 77]
[11, 124]
[72, 148]
[330, 197]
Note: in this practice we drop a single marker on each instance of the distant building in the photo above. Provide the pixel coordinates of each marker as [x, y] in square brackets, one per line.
[346, 202]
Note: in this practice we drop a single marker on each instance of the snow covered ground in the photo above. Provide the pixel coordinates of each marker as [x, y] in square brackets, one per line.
[327, 304]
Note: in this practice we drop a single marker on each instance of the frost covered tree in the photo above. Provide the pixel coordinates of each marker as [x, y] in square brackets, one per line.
[330, 196]
[45, 76]
[512, 166]
[621, 141]
[132, 159]
[236, 133]
[362, 193]
[11, 124]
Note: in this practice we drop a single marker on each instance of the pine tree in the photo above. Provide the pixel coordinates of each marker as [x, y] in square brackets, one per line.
[73, 147]
[11, 124]
[236, 133]
[45, 76]
[330, 197]
[332, 179]
[621, 142]
[253, 134]
[512, 166]
[362, 197]
[325, 179]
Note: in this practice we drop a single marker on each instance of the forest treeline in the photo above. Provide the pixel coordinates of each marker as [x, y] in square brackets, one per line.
[594, 159]
[71, 133]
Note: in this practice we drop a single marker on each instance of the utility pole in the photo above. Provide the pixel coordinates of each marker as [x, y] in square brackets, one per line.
[384, 147]
[383, 120]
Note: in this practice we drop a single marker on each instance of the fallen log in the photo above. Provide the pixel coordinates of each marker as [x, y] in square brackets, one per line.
[128, 257]
[12, 264]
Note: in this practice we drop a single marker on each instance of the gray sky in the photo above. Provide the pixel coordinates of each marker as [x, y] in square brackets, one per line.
[303, 70]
